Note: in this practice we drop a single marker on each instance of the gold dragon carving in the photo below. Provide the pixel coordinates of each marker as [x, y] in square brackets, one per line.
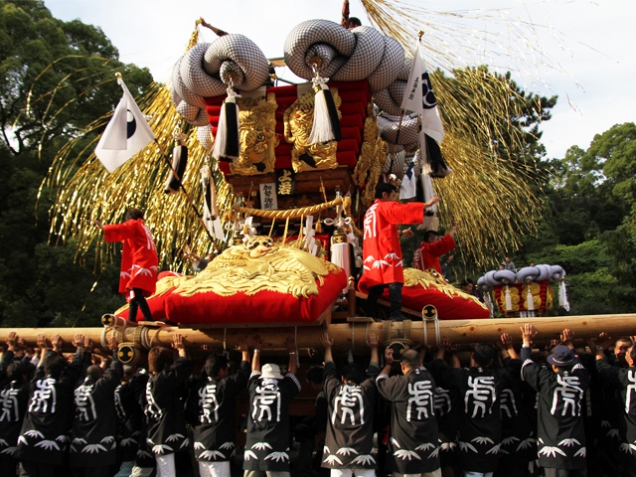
[257, 120]
[373, 155]
[431, 279]
[260, 264]
[299, 119]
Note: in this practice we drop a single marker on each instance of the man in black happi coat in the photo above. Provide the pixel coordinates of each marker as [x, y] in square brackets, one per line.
[212, 405]
[414, 444]
[349, 439]
[625, 379]
[480, 388]
[14, 396]
[166, 430]
[561, 387]
[93, 442]
[43, 437]
[270, 393]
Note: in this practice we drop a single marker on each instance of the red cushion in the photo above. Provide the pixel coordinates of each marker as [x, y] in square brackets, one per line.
[263, 307]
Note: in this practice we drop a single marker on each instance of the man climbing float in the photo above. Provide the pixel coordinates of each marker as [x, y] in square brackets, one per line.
[138, 275]
[382, 254]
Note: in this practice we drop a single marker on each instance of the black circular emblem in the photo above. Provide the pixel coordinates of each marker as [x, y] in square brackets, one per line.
[428, 97]
[125, 354]
[131, 125]
[429, 311]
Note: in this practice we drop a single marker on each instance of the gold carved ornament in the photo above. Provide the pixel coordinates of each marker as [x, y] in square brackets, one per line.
[372, 158]
[260, 265]
[431, 279]
[257, 131]
[299, 119]
[535, 289]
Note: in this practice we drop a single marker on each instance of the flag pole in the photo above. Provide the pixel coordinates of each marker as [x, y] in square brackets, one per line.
[185, 191]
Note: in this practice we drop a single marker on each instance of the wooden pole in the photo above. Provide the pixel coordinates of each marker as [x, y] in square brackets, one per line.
[348, 335]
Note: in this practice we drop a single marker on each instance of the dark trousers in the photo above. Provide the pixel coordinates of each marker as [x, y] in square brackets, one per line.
[565, 472]
[395, 296]
[103, 471]
[8, 466]
[139, 301]
[36, 469]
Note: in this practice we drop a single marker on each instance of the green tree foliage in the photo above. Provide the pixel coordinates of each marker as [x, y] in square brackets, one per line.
[590, 226]
[59, 76]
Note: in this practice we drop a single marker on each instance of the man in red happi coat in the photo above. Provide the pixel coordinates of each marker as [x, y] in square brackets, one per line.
[432, 247]
[382, 253]
[138, 274]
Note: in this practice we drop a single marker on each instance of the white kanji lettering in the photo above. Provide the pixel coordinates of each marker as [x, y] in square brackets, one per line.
[208, 404]
[370, 222]
[482, 392]
[44, 397]
[346, 402]
[152, 410]
[631, 376]
[570, 393]
[443, 403]
[84, 403]
[508, 404]
[421, 398]
[266, 395]
[9, 403]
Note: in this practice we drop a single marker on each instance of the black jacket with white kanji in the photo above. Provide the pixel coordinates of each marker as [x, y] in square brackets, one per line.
[414, 444]
[166, 430]
[214, 407]
[479, 426]
[349, 438]
[43, 437]
[560, 424]
[267, 442]
[130, 415]
[626, 379]
[14, 396]
[94, 429]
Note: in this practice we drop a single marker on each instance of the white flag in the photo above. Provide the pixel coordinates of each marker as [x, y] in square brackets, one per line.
[420, 99]
[125, 135]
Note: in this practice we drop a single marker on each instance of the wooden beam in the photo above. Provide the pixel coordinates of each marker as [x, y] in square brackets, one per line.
[350, 335]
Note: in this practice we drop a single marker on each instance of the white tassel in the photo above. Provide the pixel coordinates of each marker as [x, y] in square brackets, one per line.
[530, 300]
[563, 297]
[225, 147]
[489, 304]
[508, 299]
[326, 126]
[430, 222]
[340, 256]
[210, 210]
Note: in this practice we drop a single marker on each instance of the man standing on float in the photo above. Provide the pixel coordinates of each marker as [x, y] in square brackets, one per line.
[382, 253]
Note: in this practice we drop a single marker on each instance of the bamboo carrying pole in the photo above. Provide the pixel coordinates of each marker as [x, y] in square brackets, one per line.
[349, 335]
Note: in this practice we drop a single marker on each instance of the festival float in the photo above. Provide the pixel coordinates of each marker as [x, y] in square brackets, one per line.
[275, 178]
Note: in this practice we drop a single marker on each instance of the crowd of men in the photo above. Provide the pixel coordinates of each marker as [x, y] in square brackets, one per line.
[564, 410]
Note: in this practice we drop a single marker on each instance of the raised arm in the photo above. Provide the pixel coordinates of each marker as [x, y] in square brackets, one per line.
[244, 348]
[327, 343]
[179, 345]
[256, 358]
[527, 335]
[508, 347]
[388, 361]
[372, 342]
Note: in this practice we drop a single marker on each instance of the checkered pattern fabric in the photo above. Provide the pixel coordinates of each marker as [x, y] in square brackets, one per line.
[395, 164]
[244, 53]
[386, 103]
[233, 71]
[182, 90]
[310, 33]
[204, 134]
[202, 118]
[365, 58]
[392, 61]
[330, 61]
[187, 111]
[409, 130]
[195, 78]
